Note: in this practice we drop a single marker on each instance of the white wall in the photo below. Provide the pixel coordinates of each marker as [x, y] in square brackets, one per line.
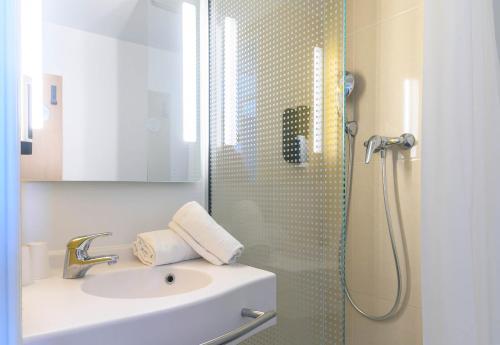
[55, 212]
[93, 103]
[105, 100]
[58, 211]
[107, 84]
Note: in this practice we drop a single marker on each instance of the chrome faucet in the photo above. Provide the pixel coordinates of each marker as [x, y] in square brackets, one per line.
[77, 261]
[378, 143]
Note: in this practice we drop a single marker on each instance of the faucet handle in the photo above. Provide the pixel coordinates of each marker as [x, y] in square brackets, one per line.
[378, 143]
[407, 141]
[374, 144]
[83, 242]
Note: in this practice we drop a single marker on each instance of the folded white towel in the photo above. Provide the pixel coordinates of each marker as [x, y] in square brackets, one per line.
[162, 247]
[207, 238]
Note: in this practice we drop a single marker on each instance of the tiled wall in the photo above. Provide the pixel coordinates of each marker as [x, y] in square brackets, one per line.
[384, 51]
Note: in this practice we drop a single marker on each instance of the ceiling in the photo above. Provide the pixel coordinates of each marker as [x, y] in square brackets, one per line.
[137, 21]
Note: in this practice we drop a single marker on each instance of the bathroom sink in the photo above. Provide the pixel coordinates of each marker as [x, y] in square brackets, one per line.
[187, 303]
[146, 283]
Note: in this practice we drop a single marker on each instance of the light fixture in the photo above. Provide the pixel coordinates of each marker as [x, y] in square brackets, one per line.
[230, 80]
[31, 62]
[189, 72]
[318, 100]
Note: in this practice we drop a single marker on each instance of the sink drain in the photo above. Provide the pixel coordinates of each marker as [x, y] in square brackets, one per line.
[170, 279]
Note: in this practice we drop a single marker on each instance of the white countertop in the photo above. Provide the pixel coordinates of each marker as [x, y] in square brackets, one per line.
[59, 305]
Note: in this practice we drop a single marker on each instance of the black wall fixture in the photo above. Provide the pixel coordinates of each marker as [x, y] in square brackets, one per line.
[295, 131]
[26, 147]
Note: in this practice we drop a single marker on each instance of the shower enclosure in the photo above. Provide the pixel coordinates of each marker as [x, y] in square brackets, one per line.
[277, 172]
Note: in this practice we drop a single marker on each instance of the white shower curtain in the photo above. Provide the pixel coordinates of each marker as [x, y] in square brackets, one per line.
[461, 175]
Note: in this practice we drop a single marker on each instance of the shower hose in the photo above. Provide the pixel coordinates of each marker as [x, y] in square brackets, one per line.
[398, 300]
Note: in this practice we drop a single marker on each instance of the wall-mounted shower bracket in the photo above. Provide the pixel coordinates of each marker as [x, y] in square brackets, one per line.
[351, 128]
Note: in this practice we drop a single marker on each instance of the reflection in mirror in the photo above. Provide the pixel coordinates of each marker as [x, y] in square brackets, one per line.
[110, 90]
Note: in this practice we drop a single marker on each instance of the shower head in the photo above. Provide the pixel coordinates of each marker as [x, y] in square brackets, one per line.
[349, 82]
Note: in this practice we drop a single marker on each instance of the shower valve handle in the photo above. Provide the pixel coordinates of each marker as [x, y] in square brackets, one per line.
[407, 141]
[377, 143]
[373, 145]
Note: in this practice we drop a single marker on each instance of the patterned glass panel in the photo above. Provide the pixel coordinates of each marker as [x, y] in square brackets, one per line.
[277, 153]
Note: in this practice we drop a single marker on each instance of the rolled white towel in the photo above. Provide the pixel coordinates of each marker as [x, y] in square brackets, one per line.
[162, 247]
[207, 238]
[198, 248]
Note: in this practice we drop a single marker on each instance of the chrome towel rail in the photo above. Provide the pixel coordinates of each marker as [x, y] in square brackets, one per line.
[260, 318]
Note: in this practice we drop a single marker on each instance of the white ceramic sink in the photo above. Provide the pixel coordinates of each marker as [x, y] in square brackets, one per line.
[146, 283]
[131, 304]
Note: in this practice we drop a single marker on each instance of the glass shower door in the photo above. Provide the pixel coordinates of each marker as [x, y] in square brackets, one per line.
[277, 153]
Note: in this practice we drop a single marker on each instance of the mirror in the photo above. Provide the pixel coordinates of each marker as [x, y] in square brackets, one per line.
[110, 90]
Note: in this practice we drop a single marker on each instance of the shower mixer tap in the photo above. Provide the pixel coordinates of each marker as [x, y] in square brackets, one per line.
[373, 145]
[378, 143]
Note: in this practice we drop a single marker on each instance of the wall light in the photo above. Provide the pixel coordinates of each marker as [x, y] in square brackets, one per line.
[31, 61]
[230, 81]
[189, 72]
[219, 85]
[318, 100]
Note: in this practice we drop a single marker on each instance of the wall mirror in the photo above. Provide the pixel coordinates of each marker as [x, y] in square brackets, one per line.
[110, 90]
